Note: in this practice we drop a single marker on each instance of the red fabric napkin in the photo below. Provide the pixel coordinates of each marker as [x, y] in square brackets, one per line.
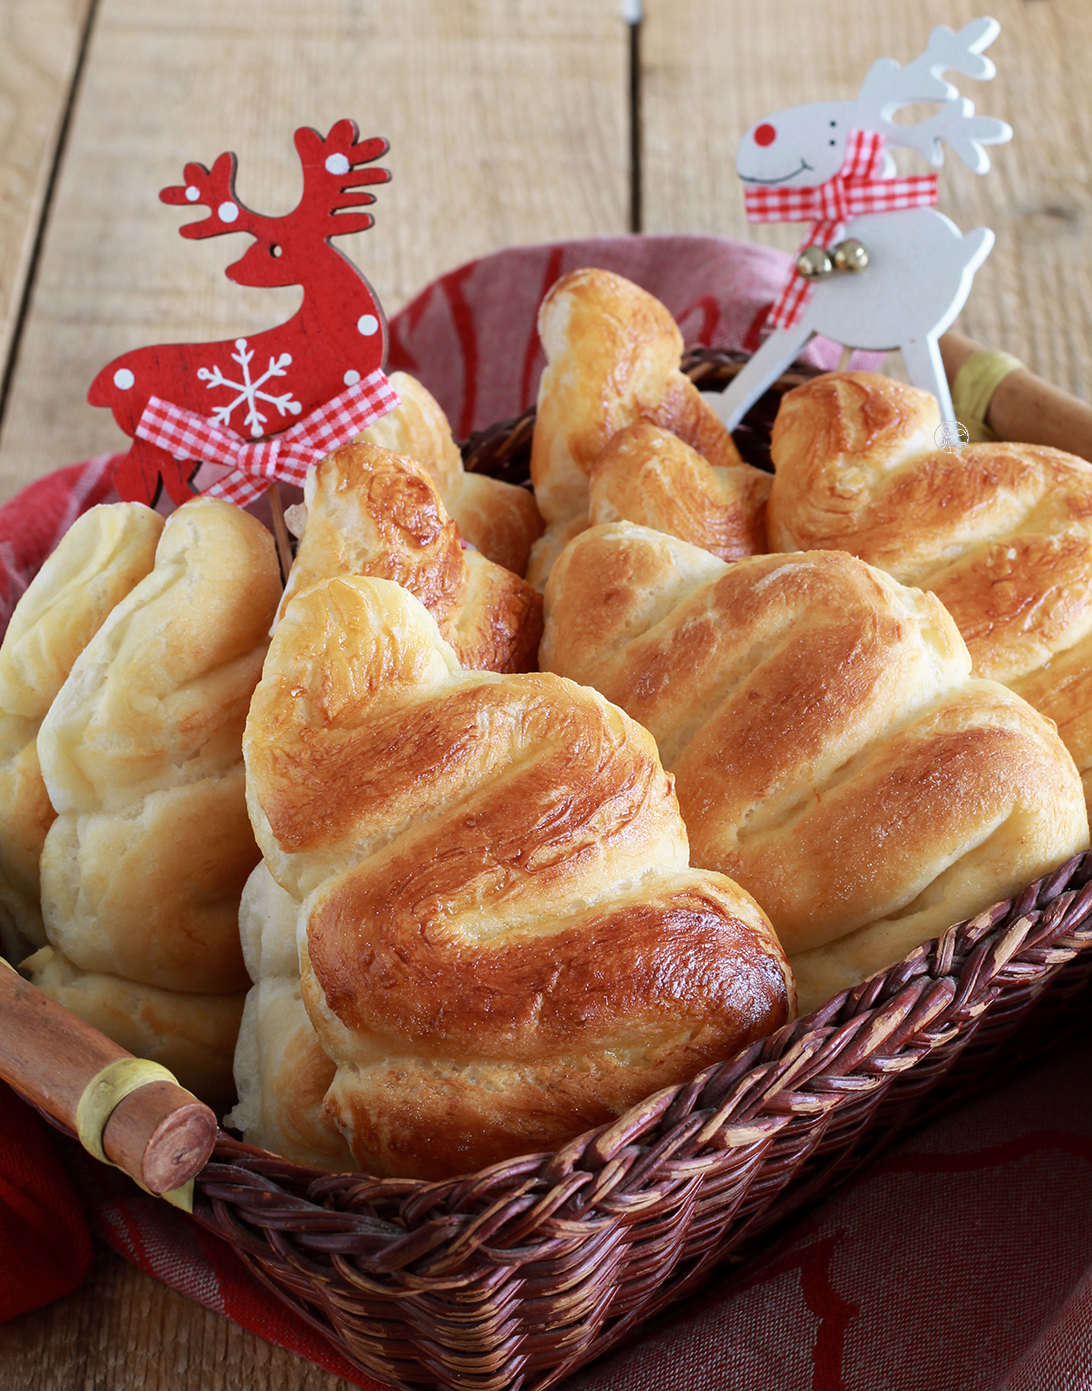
[45, 1247]
[962, 1260]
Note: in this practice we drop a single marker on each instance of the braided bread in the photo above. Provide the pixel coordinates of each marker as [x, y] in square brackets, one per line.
[141, 752]
[831, 751]
[371, 512]
[651, 477]
[282, 1073]
[501, 941]
[613, 353]
[99, 560]
[1001, 533]
[497, 518]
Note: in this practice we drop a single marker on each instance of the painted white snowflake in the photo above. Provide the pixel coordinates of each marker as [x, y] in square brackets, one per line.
[250, 391]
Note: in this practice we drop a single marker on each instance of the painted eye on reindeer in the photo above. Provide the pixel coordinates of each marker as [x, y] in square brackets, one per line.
[765, 134]
[275, 250]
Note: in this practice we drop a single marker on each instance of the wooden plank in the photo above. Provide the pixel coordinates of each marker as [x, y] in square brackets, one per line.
[712, 67]
[126, 1332]
[507, 121]
[39, 44]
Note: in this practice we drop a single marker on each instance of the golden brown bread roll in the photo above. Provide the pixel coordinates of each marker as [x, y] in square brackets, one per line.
[651, 477]
[99, 560]
[501, 941]
[497, 518]
[831, 751]
[1001, 533]
[191, 1034]
[371, 512]
[141, 753]
[282, 1073]
[613, 353]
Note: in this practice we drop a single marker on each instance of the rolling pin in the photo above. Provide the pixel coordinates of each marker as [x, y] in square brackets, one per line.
[126, 1110]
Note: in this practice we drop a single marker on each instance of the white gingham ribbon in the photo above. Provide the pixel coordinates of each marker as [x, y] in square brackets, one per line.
[287, 456]
[856, 188]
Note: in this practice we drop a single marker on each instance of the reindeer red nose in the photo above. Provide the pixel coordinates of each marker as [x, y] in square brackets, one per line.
[765, 134]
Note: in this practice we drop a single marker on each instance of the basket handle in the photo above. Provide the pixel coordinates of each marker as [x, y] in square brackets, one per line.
[133, 1112]
[1024, 407]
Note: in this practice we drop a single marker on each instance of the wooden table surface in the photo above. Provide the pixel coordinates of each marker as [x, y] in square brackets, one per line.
[509, 121]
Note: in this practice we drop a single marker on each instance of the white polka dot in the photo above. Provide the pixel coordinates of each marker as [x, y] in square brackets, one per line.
[337, 164]
[123, 379]
[351, 377]
[367, 324]
[193, 194]
[228, 212]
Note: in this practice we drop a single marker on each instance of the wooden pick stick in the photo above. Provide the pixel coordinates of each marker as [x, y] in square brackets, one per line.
[280, 531]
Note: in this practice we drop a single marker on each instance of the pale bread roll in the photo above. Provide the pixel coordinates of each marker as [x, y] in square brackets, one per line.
[371, 512]
[831, 750]
[501, 941]
[281, 1072]
[498, 519]
[191, 1034]
[141, 755]
[613, 353]
[1001, 532]
[98, 561]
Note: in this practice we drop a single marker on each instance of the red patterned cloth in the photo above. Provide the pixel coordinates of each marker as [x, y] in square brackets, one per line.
[961, 1260]
[858, 187]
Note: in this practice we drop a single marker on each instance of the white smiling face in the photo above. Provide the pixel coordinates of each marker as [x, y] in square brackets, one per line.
[798, 147]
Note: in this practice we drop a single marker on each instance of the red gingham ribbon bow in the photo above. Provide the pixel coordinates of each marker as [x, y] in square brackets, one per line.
[287, 456]
[856, 188]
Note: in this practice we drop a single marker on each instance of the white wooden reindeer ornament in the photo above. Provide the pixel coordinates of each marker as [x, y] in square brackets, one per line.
[824, 163]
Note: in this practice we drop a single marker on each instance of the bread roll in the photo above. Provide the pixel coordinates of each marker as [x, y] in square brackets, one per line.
[831, 751]
[282, 1073]
[371, 512]
[613, 353]
[498, 519]
[141, 753]
[501, 941]
[191, 1034]
[651, 477]
[1001, 533]
[100, 558]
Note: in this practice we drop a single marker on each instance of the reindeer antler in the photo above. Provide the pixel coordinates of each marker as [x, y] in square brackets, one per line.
[333, 176]
[211, 188]
[890, 86]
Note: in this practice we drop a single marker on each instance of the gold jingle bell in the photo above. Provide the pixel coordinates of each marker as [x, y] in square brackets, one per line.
[850, 255]
[814, 263]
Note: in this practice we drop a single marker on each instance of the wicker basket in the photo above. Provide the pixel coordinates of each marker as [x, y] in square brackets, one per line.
[518, 1275]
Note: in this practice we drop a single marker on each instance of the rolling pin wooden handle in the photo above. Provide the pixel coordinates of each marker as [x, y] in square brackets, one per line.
[160, 1135]
[1025, 407]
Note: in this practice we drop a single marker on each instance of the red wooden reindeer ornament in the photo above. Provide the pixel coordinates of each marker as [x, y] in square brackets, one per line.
[210, 401]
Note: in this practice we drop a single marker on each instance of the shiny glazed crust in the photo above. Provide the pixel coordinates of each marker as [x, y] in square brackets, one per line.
[371, 512]
[501, 940]
[831, 750]
[613, 353]
[142, 758]
[1001, 533]
[100, 558]
[498, 519]
[651, 477]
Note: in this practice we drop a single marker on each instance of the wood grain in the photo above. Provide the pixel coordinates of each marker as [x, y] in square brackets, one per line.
[39, 43]
[715, 66]
[507, 121]
[124, 1332]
